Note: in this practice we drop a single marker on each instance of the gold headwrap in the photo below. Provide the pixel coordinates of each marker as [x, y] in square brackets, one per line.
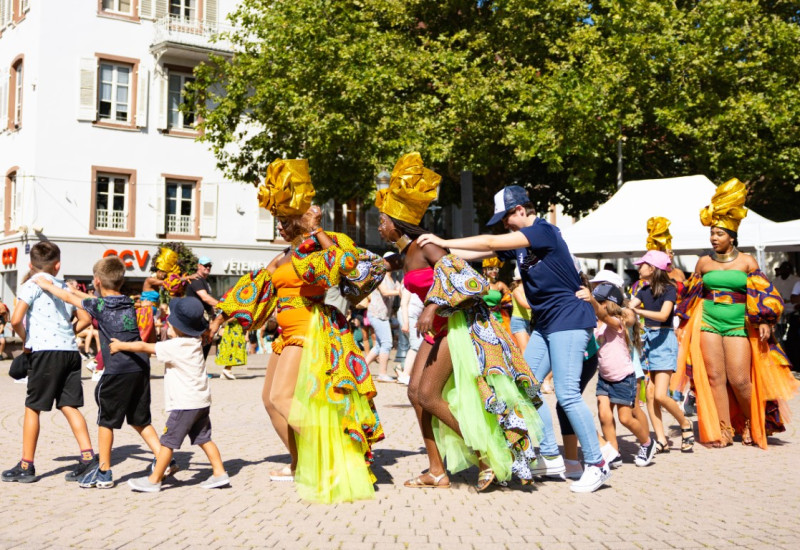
[727, 206]
[411, 190]
[492, 262]
[658, 237]
[167, 260]
[287, 189]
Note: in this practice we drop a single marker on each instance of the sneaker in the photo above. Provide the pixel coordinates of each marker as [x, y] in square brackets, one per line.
[216, 481]
[549, 467]
[226, 373]
[82, 468]
[21, 381]
[592, 479]
[143, 485]
[402, 379]
[97, 375]
[646, 453]
[97, 478]
[18, 473]
[615, 462]
[91, 365]
[573, 470]
[172, 469]
[383, 378]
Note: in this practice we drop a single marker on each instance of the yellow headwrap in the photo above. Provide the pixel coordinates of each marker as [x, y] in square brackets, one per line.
[287, 189]
[492, 262]
[167, 260]
[411, 190]
[658, 237]
[727, 206]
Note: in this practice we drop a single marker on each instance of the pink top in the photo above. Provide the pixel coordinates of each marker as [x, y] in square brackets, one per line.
[613, 357]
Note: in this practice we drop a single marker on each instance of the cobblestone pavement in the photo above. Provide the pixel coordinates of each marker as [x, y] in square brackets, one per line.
[732, 498]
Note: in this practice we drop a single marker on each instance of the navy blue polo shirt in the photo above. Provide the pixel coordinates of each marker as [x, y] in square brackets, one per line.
[550, 280]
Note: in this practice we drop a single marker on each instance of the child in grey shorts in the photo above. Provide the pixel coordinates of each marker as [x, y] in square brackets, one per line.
[186, 393]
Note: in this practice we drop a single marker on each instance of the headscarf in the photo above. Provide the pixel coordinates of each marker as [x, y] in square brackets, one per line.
[658, 237]
[287, 188]
[727, 206]
[411, 190]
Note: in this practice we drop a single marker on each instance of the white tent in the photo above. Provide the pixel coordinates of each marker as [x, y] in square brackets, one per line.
[618, 228]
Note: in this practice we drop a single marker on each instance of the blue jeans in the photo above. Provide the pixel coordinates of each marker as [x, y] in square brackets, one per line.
[563, 353]
[383, 335]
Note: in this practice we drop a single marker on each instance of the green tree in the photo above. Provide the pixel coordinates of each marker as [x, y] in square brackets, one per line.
[531, 92]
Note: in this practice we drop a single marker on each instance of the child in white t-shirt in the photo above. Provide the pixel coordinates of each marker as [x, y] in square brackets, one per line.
[186, 392]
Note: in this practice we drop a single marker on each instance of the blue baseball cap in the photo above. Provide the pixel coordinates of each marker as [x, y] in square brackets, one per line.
[506, 199]
[204, 260]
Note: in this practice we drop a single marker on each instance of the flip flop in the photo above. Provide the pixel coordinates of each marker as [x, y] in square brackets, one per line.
[418, 483]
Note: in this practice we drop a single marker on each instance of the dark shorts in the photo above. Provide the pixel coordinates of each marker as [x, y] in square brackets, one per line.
[123, 397]
[196, 423]
[54, 376]
[621, 393]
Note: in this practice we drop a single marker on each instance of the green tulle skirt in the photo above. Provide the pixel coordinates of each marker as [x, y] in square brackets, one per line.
[482, 431]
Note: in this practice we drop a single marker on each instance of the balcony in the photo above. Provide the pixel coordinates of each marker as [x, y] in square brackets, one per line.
[179, 224]
[188, 39]
[110, 220]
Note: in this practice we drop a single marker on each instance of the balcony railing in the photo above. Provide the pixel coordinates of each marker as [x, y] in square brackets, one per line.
[179, 224]
[177, 31]
[113, 220]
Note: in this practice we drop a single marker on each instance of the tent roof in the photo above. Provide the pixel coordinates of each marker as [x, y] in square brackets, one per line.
[619, 226]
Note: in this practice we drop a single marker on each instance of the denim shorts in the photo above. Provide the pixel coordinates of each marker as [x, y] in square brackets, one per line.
[660, 350]
[518, 324]
[621, 393]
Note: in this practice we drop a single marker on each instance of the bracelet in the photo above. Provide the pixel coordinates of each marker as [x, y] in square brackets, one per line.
[312, 232]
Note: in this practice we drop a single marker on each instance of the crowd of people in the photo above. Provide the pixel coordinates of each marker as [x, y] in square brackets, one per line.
[476, 353]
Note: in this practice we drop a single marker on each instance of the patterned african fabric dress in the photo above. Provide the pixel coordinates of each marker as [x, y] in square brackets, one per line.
[770, 370]
[232, 348]
[145, 316]
[492, 393]
[332, 414]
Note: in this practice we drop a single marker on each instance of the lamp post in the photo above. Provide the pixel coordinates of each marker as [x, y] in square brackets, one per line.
[382, 180]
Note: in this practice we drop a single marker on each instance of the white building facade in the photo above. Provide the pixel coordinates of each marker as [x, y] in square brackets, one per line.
[94, 152]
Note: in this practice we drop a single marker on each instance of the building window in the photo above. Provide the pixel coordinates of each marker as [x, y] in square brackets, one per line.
[177, 84]
[183, 9]
[115, 92]
[118, 6]
[15, 114]
[111, 202]
[181, 207]
[11, 197]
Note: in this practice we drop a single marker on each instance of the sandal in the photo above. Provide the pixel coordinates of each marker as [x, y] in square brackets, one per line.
[662, 448]
[485, 478]
[687, 440]
[747, 438]
[418, 483]
[284, 474]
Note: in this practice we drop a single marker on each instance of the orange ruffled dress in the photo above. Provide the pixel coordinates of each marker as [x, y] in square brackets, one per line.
[770, 369]
[332, 413]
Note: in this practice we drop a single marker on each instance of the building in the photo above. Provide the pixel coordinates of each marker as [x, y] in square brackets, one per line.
[95, 154]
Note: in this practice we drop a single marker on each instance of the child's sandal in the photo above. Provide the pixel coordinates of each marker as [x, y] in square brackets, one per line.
[687, 440]
[662, 448]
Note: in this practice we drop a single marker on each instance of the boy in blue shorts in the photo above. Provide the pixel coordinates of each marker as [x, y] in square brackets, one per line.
[45, 327]
[123, 391]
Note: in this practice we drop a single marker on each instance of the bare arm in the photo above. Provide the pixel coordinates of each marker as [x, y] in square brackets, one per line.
[135, 347]
[479, 243]
[207, 298]
[471, 255]
[602, 315]
[660, 316]
[74, 297]
[16, 320]
[519, 296]
[84, 319]
[405, 300]
[382, 288]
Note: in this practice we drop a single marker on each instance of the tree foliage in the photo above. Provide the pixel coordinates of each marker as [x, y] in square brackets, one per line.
[531, 92]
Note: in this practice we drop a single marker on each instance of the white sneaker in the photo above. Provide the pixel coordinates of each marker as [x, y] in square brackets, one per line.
[226, 373]
[403, 379]
[97, 375]
[91, 366]
[21, 381]
[549, 467]
[592, 479]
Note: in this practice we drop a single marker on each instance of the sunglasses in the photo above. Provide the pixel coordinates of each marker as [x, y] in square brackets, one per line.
[207, 265]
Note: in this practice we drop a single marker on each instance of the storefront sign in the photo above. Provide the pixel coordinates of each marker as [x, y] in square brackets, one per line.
[239, 266]
[141, 257]
[9, 256]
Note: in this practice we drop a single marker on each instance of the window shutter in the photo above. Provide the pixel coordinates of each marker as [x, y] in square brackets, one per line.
[17, 203]
[161, 8]
[87, 104]
[208, 210]
[4, 82]
[146, 9]
[142, 97]
[265, 225]
[161, 207]
[163, 99]
[210, 15]
[26, 5]
[5, 18]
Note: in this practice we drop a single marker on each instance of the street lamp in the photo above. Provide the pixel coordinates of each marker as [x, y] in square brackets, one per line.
[382, 180]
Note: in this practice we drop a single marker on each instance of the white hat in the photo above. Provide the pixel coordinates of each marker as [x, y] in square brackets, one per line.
[608, 276]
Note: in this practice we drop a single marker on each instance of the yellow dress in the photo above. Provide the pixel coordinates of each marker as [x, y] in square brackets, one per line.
[332, 413]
